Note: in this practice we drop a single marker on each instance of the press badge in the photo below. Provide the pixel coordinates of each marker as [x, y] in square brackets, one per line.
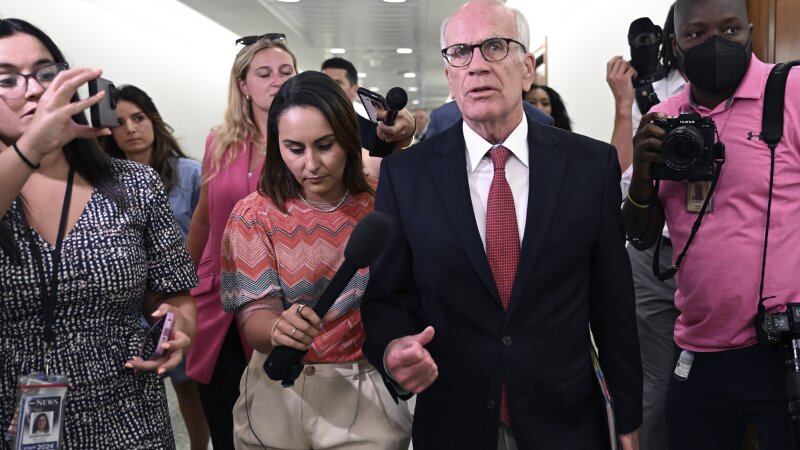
[39, 417]
[696, 192]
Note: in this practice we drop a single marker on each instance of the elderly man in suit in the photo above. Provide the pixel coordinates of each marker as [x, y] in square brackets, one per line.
[507, 249]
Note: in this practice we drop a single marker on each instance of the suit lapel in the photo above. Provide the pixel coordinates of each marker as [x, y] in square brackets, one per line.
[450, 176]
[546, 165]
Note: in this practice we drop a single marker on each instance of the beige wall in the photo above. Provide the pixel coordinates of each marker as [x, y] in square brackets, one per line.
[179, 57]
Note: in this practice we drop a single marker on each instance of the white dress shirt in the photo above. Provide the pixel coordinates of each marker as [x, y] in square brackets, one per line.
[480, 171]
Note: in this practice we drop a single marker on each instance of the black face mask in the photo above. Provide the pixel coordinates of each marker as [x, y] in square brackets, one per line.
[716, 66]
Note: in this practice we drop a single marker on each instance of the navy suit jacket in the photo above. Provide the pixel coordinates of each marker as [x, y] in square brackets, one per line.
[446, 115]
[573, 274]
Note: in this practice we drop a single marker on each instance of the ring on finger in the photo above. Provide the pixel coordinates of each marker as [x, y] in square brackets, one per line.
[294, 329]
[300, 310]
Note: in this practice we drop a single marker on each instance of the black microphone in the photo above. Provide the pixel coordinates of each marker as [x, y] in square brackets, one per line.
[368, 240]
[396, 99]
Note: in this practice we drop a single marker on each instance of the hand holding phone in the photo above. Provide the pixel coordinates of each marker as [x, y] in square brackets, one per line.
[158, 334]
[103, 113]
[373, 102]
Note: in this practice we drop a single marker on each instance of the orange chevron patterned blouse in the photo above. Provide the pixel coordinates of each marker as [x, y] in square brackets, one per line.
[272, 260]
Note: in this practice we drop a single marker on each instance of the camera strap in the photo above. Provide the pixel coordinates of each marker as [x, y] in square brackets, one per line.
[771, 134]
[669, 273]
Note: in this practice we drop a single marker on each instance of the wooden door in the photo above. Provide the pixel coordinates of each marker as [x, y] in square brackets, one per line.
[776, 37]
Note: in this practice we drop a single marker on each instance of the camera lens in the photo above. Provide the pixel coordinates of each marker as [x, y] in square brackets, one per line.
[112, 96]
[644, 39]
[682, 147]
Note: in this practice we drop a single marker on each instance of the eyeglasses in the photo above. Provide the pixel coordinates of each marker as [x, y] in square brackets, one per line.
[493, 50]
[15, 85]
[277, 38]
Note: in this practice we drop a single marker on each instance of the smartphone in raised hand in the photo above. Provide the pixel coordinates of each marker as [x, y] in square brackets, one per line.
[103, 113]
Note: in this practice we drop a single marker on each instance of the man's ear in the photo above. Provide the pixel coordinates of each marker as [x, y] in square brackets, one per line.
[529, 63]
[447, 76]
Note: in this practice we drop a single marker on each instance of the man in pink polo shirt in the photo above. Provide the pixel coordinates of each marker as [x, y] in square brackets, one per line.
[733, 381]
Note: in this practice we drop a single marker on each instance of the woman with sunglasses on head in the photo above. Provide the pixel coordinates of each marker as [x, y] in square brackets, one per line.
[281, 248]
[74, 288]
[234, 157]
[143, 136]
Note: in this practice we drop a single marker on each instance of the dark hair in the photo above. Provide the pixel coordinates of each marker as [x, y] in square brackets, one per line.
[36, 422]
[558, 111]
[85, 155]
[312, 90]
[341, 63]
[165, 148]
[668, 58]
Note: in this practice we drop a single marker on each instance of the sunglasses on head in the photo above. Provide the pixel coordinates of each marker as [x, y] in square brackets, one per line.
[278, 38]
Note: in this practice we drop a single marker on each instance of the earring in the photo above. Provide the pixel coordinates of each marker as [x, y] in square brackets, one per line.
[247, 97]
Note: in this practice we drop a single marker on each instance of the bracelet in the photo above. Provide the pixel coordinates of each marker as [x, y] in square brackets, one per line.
[24, 159]
[638, 205]
[272, 332]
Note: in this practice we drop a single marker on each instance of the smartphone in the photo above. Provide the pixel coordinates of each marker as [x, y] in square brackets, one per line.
[155, 336]
[373, 102]
[104, 113]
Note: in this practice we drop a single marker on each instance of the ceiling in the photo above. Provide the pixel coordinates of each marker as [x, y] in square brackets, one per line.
[370, 31]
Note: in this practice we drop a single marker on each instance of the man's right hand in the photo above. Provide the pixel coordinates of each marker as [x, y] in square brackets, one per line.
[619, 76]
[646, 150]
[409, 363]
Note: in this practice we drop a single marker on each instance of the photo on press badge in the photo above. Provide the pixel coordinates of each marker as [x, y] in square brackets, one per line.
[42, 422]
[696, 192]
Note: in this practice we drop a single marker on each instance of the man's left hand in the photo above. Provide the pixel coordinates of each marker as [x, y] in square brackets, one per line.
[629, 441]
[401, 133]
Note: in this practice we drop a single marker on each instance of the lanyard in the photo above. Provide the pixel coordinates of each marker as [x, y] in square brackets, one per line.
[50, 293]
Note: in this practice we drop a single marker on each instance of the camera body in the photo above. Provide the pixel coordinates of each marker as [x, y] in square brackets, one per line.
[773, 329]
[644, 40]
[688, 149]
[784, 329]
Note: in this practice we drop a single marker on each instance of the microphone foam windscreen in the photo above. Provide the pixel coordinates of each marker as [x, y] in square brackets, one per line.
[396, 98]
[370, 237]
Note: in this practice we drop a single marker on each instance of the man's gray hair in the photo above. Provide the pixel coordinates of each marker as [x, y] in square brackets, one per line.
[523, 29]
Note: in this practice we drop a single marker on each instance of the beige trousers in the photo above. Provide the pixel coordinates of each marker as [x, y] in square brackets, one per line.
[331, 406]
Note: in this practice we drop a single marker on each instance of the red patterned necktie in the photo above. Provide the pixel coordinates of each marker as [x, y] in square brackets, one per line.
[502, 240]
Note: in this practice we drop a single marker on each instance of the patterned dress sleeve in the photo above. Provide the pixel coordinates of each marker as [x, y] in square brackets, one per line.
[169, 268]
[248, 262]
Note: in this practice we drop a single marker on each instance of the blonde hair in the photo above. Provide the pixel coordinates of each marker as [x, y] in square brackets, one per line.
[238, 124]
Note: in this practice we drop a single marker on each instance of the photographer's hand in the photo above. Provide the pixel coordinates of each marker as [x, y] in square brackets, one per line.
[619, 76]
[642, 214]
[646, 150]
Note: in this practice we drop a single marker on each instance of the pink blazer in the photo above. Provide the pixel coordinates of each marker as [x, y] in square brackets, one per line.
[229, 186]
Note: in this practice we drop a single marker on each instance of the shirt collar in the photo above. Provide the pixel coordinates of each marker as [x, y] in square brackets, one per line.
[517, 143]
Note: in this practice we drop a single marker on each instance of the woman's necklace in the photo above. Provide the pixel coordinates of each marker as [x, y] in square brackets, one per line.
[262, 148]
[331, 207]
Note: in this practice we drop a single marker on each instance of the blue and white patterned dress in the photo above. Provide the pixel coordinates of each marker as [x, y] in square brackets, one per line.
[110, 258]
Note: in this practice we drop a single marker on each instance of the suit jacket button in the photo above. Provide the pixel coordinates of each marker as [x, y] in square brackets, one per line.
[310, 370]
[507, 341]
[490, 404]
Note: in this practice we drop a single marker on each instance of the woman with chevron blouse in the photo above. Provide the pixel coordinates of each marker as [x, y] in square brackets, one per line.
[281, 247]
